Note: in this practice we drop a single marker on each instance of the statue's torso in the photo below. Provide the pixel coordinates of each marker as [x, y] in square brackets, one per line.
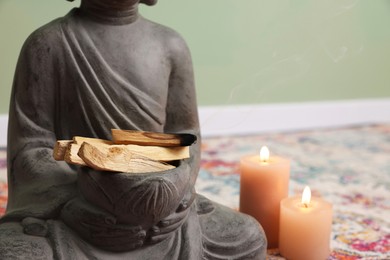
[113, 76]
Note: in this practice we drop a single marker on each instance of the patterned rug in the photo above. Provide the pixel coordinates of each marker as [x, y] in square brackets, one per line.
[349, 167]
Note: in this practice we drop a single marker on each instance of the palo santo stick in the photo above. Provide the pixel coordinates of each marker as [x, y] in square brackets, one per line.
[158, 153]
[60, 149]
[113, 158]
[79, 140]
[71, 155]
[155, 153]
[151, 138]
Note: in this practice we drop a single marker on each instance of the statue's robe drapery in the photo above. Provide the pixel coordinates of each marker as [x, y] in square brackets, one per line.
[71, 80]
[70, 83]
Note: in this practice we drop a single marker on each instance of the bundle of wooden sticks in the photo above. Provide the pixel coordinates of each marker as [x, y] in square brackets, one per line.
[129, 151]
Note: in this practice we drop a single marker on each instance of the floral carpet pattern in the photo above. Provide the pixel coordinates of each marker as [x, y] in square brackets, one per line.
[349, 167]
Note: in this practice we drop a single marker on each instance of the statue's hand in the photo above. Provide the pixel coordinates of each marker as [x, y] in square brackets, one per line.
[117, 238]
[166, 226]
[34, 226]
[99, 227]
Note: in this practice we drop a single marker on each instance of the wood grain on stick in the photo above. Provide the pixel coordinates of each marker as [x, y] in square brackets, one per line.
[158, 153]
[79, 140]
[118, 158]
[60, 148]
[151, 138]
[136, 152]
[71, 155]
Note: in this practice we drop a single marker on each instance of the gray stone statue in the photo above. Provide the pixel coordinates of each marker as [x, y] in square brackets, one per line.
[104, 66]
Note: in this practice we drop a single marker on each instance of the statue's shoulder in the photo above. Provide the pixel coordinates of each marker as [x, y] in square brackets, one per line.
[171, 39]
[46, 35]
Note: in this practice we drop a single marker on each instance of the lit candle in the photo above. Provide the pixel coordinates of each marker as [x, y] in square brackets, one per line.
[263, 184]
[305, 227]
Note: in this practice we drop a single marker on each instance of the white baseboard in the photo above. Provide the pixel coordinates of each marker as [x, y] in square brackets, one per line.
[3, 130]
[254, 119]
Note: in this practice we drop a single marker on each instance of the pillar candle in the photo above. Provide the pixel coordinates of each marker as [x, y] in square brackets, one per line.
[263, 184]
[305, 227]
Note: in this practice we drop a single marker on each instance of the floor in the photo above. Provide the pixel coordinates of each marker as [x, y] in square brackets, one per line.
[349, 167]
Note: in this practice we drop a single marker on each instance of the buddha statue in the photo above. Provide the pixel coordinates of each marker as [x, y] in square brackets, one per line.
[99, 67]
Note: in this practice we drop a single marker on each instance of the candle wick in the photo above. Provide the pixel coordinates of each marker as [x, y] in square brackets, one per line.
[264, 161]
[306, 205]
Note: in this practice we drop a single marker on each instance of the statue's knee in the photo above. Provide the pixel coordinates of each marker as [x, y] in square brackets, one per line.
[229, 234]
[15, 244]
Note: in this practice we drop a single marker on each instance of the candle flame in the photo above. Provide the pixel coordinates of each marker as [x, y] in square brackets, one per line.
[306, 196]
[264, 154]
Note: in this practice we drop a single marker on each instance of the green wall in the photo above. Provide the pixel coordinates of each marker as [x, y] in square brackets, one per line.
[250, 51]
